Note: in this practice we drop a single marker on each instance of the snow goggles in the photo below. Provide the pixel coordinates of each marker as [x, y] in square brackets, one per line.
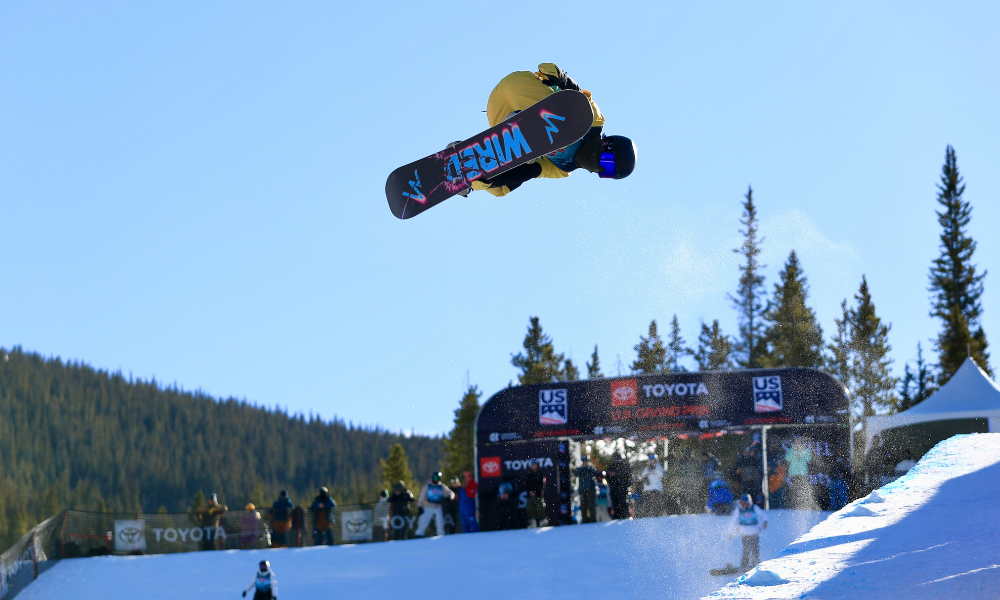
[607, 160]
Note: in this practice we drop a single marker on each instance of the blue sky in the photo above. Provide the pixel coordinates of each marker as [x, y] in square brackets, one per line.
[195, 192]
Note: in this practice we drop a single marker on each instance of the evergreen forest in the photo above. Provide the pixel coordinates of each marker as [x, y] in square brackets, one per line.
[75, 437]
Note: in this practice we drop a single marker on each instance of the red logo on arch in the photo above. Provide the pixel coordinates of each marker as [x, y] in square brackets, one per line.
[624, 393]
[489, 466]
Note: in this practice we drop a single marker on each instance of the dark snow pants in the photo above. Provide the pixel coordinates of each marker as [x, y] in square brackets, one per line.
[751, 551]
[262, 595]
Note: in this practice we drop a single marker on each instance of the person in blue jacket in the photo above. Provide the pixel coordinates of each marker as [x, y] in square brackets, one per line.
[720, 498]
[281, 519]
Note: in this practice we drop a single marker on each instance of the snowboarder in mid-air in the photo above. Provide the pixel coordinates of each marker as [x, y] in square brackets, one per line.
[265, 582]
[611, 157]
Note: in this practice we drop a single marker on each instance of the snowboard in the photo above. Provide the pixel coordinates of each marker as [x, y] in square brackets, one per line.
[728, 570]
[550, 124]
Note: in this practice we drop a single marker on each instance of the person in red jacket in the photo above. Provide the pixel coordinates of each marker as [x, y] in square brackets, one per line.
[467, 504]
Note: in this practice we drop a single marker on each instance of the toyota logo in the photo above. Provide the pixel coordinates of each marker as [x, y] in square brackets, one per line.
[130, 534]
[357, 525]
[624, 394]
[491, 467]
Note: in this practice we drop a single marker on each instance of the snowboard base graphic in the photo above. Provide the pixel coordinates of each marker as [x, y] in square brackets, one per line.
[550, 124]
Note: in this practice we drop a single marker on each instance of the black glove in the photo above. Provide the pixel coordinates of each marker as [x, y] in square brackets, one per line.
[516, 176]
[561, 79]
[244, 593]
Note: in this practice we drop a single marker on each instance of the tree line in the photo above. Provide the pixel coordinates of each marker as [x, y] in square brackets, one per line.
[75, 437]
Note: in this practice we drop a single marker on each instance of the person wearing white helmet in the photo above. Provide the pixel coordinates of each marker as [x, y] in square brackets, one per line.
[748, 520]
[265, 582]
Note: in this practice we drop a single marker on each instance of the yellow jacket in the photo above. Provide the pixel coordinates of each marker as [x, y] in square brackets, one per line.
[518, 91]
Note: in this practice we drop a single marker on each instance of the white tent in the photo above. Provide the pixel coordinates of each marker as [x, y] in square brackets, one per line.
[969, 394]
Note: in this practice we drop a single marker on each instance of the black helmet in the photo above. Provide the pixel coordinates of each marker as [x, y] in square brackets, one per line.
[265, 565]
[436, 477]
[623, 150]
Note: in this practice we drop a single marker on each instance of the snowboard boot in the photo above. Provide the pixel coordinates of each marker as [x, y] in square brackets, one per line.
[464, 193]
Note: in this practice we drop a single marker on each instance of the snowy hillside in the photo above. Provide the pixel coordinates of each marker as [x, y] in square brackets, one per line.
[934, 533]
[667, 557]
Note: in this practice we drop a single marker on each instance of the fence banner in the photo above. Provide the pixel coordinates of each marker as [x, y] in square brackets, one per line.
[356, 525]
[130, 535]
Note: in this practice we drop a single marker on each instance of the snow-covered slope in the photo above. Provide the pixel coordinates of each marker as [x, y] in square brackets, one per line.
[934, 533]
[667, 557]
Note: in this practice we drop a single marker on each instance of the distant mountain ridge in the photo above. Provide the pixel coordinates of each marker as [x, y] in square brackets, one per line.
[72, 436]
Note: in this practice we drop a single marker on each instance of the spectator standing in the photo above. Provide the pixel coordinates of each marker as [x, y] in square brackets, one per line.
[208, 518]
[249, 527]
[602, 503]
[689, 482]
[777, 482]
[587, 477]
[798, 457]
[652, 488]
[322, 512]
[380, 517]
[265, 582]
[433, 494]
[720, 498]
[467, 504]
[450, 508]
[840, 472]
[619, 478]
[281, 520]
[507, 505]
[750, 471]
[748, 521]
[534, 484]
[399, 511]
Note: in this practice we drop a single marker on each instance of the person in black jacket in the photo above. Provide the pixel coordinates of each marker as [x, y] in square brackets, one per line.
[534, 484]
[619, 478]
[322, 512]
[399, 511]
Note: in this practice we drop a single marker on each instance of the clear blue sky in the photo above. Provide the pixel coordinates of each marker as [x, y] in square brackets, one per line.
[194, 191]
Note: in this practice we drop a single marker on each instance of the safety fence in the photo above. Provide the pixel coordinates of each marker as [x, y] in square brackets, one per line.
[29, 556]
[73, 534]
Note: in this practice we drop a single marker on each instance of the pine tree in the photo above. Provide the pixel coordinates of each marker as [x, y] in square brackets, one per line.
[838, 362]
[749, 298]
[594, 366]
[396, 468]
[873, 384]
[957, 289]
[539, 362]
[458, 446]
[917, 385]
[793, 337]
[675, 349]
[714, 349]
[651, 352]
[569, 371]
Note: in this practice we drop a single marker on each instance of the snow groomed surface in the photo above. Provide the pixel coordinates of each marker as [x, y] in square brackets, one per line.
[666, 557]
[934, 533]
